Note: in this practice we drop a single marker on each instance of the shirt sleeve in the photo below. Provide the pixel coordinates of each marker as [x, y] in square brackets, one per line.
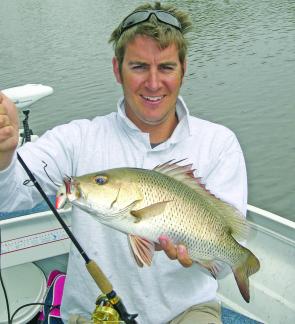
[50, 158]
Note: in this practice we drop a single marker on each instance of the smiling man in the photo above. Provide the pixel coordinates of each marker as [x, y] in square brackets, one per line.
[151, 78]
[152, 125]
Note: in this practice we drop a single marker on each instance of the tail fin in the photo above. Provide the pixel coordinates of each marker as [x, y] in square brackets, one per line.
[246, 266]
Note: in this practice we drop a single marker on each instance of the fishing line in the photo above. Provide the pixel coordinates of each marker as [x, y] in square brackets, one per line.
[26, 182]
[51, 307]
[44, 167]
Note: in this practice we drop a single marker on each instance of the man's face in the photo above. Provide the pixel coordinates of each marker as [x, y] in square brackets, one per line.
[151, 79]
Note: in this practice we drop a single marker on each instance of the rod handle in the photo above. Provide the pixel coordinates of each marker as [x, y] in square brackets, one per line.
[99, 277]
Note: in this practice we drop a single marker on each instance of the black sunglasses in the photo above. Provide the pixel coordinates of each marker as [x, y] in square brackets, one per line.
[144, 15]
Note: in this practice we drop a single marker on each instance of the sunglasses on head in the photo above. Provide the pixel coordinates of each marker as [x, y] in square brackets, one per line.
[144, 15]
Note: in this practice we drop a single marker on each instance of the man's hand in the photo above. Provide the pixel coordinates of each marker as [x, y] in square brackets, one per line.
[173, 252]
[9, 130]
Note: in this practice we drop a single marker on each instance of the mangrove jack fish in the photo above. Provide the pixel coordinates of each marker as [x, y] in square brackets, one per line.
[167, 200]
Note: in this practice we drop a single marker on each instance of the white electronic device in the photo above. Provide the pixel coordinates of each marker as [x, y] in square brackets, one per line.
[25, 95]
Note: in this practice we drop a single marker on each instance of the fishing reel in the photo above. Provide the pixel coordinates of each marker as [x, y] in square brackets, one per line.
[104, 312]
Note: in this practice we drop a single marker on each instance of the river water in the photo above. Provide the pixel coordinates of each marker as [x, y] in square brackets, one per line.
[241, 68]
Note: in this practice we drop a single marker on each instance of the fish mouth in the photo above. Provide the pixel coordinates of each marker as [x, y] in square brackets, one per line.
[60, 198]
[64, 193]
[68, 184]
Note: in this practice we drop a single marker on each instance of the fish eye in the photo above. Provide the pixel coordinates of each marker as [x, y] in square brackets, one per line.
[101, 180]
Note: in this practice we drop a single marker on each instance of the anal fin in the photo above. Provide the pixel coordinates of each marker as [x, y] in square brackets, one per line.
[213, 266]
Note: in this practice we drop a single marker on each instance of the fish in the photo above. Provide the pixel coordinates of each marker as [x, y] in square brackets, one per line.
[167, 200]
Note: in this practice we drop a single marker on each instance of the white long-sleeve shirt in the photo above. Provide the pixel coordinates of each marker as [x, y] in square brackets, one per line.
[164, 290]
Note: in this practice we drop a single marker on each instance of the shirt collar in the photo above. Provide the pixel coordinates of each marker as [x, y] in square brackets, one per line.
[181, 131]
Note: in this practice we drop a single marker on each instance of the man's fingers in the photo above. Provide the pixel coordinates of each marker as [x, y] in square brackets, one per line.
[168, 247]
[6, 133]
[183, 256]
[3, 110]
[4, 120]
[8, 109]
[178, 252]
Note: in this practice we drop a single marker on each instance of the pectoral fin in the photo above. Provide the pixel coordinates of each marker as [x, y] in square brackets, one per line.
[150, 211]
[142, 249]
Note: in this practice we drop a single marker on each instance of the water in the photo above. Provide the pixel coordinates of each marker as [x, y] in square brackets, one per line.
[240, 73]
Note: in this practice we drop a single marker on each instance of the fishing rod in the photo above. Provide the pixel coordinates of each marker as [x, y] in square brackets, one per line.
[112, 299]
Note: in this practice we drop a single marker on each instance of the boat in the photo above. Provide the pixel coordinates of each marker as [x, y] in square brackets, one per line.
[36, 235]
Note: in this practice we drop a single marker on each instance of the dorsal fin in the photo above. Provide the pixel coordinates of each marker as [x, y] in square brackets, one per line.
[183, 173]
[233, 218]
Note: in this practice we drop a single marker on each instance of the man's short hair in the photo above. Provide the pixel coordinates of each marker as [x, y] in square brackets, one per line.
[163, 33]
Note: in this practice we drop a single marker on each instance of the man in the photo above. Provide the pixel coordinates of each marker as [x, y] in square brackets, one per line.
[152, 126]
